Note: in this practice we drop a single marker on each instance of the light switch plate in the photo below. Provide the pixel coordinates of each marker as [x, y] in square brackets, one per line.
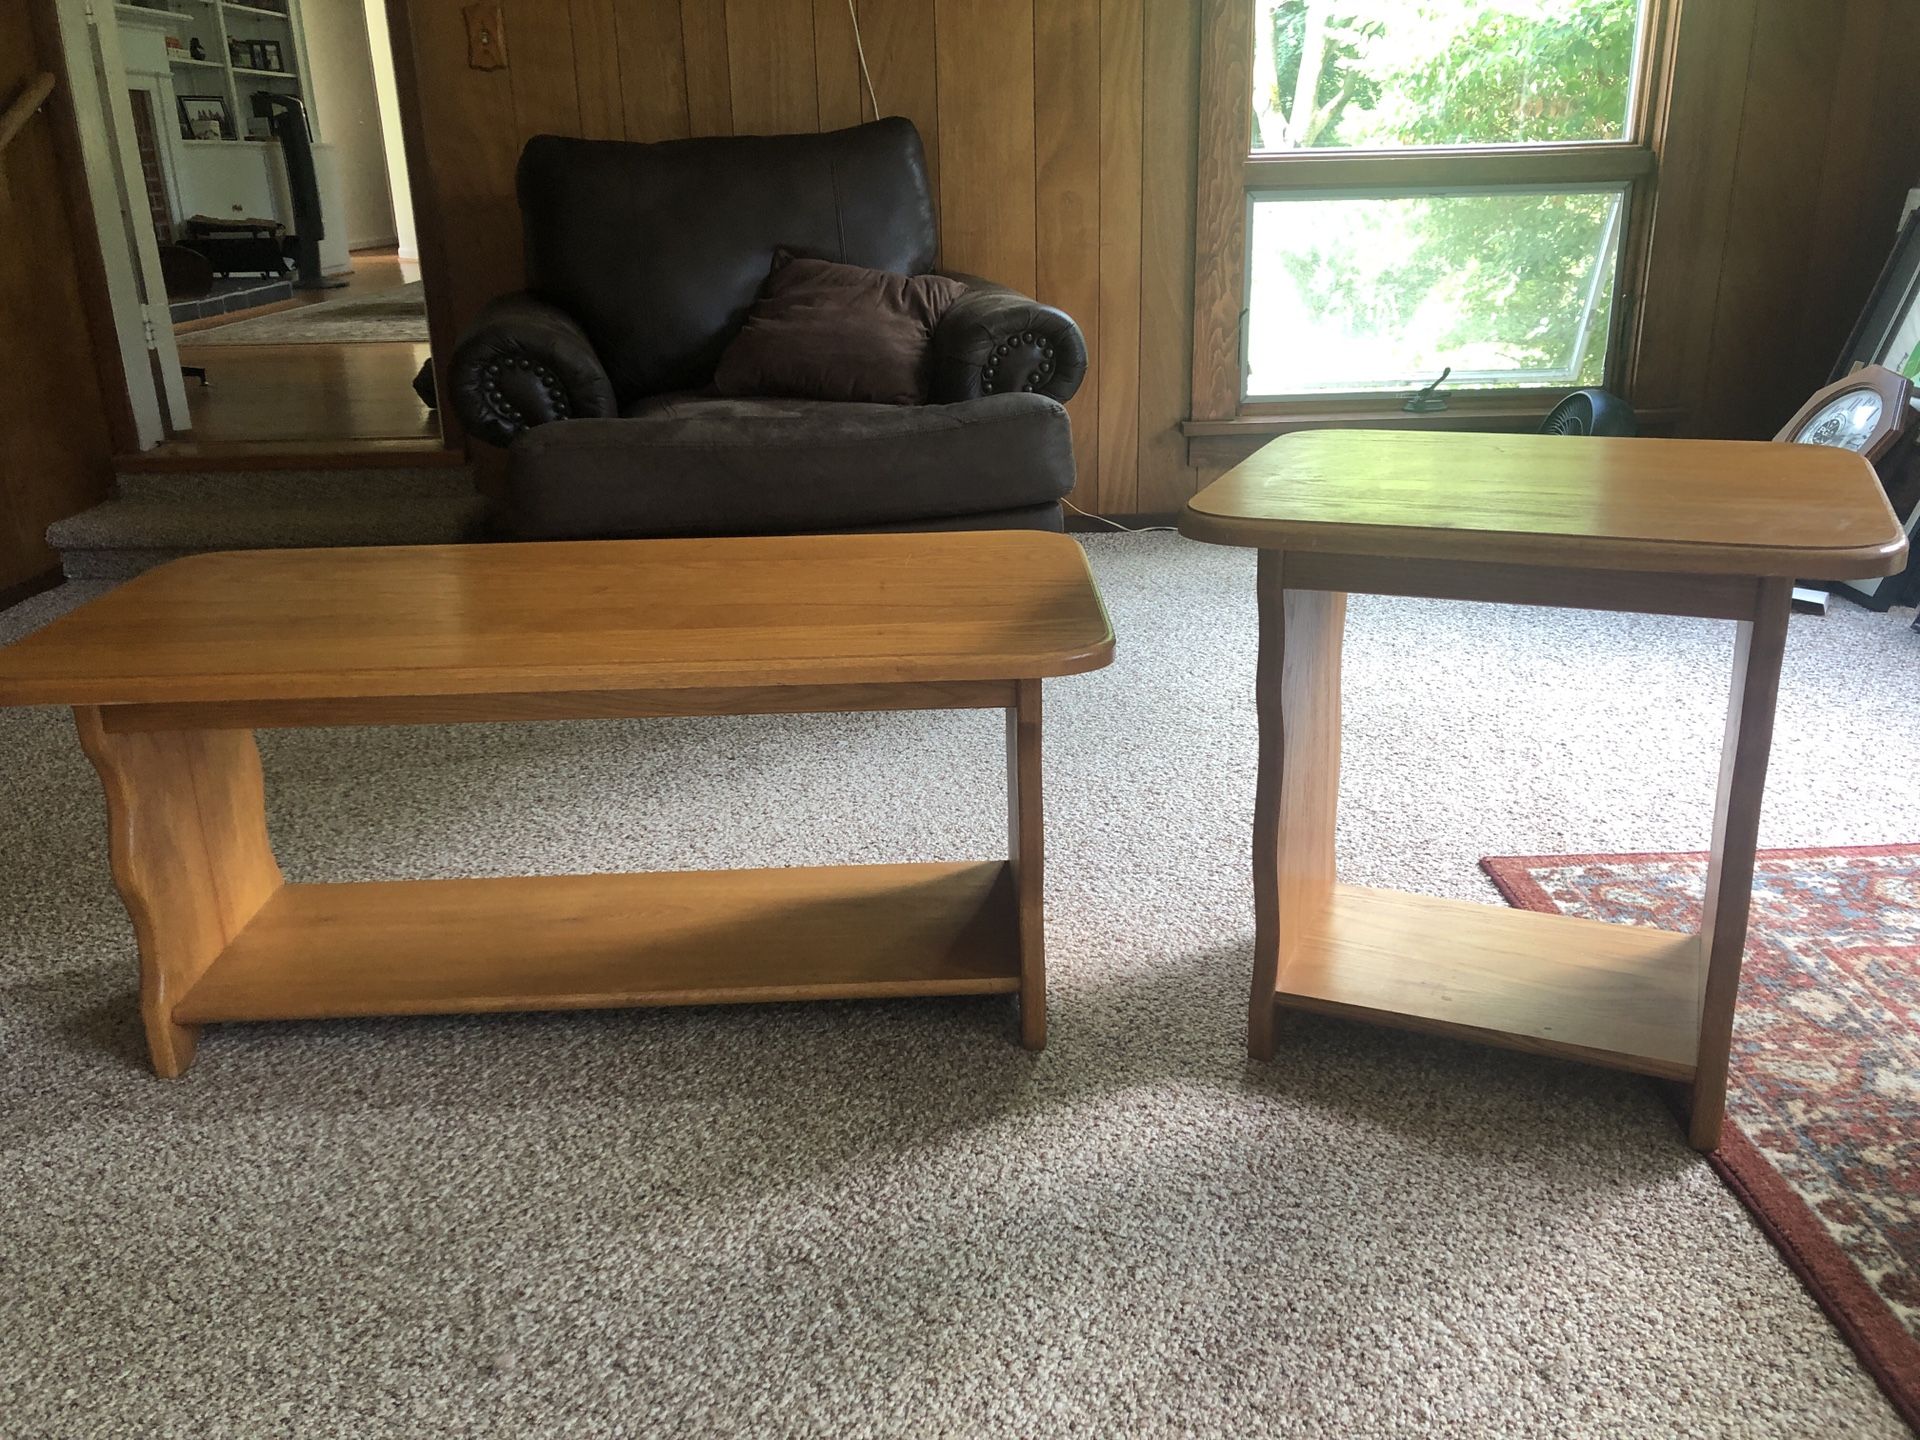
[486, 37]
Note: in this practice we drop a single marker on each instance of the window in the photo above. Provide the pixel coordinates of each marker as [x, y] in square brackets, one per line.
[1432, 185]
[1501, 287]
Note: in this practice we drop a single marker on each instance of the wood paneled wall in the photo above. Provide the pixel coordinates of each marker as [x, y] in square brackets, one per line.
[1061, 137]
[56, 421]
[1059, 134]
[1792, 137]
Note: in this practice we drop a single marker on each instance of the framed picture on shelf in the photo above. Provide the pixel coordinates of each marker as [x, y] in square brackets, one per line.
[205, 117]
[240, 52]
[1889, 329]
[270, 55]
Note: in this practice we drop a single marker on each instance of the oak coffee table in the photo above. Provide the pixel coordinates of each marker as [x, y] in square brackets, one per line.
[170, 674]
[1668, 527]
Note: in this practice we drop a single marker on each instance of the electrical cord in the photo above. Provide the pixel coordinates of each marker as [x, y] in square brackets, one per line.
[1129, 529]
[860, 49]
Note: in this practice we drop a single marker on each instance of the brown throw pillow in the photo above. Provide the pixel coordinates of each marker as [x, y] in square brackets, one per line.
[825, 331]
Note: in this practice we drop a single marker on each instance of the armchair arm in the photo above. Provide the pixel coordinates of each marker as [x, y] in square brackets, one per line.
[993, 341]
[523, 363]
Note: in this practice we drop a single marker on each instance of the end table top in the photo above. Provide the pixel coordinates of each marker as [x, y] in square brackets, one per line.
[1703, 507]
[582, 615]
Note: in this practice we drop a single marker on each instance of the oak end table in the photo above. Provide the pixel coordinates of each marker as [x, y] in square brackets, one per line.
[170, 675]
[1668, 527]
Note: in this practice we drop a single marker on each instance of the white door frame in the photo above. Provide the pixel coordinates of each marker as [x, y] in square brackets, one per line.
[96, 76]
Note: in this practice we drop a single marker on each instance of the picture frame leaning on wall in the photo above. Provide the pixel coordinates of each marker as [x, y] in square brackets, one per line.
[1888, 330]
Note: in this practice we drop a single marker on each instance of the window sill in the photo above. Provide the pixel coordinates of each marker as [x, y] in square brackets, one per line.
[1220, 443]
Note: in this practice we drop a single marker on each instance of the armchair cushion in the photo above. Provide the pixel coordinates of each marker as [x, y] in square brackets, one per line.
[699, 465]
[522, 363]
[996, 341]
[823, 331]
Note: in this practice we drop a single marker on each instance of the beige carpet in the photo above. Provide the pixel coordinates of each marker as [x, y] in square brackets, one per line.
[885, 1219]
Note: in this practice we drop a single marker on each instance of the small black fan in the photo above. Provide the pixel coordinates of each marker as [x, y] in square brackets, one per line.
[1591, 412]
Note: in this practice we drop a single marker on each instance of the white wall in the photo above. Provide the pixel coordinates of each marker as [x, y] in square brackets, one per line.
[381, 44]
[347, 116]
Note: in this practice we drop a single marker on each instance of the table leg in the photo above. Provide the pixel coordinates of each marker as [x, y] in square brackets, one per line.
[1736, 829]
[187, 831]
[1297, 794]
[1026, 853]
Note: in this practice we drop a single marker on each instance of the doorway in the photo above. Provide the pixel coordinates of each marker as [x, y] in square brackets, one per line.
[266, 159]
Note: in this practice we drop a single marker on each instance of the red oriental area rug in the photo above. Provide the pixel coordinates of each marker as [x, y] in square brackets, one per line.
[1822, 1142]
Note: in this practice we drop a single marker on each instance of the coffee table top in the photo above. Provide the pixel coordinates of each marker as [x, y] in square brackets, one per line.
[585, 615]
[1692, 506]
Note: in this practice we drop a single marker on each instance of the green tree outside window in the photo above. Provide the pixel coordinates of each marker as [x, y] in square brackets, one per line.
[1519, 280]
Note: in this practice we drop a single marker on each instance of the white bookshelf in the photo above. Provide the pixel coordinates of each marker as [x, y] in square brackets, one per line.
[235, 177]
[216, 24]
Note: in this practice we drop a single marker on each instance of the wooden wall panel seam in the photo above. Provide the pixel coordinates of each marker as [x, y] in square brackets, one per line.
[1753, 369]
[1122, 99]
[777, 90]
[1169, 124]
[1219, 249]
[541, 75]
[650, 47]
[597, 69]
[902, 42]
[1067, 201]
[836, 66]
[1823, 323]
[985, 77]
[1710, 338]
[1033, 45]
[705, 50]
[1691, 200]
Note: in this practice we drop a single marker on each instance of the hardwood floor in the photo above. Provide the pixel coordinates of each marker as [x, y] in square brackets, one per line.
[362, 391]
[180, 456]
[310, 393]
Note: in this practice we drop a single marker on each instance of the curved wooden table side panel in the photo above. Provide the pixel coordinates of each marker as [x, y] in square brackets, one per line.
[187, 834]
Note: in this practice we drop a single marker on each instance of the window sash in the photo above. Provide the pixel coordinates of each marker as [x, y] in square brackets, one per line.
[1461, 382]
[1648, 52]
[1443, 170]
[1415, 172]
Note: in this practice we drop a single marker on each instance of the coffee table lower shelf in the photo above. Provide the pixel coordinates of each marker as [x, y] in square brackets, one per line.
[422, 947]
[1616, 995]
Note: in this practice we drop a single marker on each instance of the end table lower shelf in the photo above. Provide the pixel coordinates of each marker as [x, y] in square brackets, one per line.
[1615, 995]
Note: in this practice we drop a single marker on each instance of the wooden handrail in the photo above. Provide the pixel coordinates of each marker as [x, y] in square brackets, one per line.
[21, 110]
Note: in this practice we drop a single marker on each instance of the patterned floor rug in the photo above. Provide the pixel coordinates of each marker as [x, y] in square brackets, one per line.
[1823, 1139]
[396, 314]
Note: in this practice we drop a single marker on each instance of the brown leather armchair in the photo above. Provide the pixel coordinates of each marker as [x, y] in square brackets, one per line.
[642, 261]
